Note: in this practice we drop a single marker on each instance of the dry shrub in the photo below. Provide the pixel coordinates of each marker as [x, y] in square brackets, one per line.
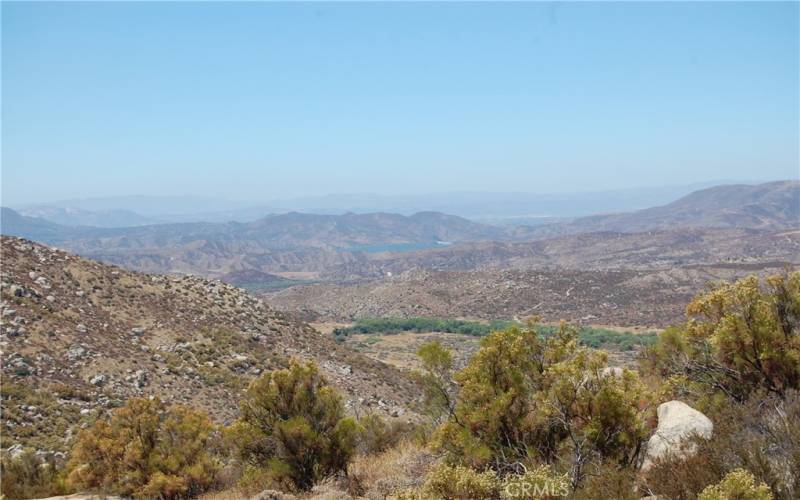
[402, 467]
[377, 434]
[610, 481]
[456, 481]
[29, 476]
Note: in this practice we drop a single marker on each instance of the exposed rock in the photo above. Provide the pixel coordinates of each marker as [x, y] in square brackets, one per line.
[98, 379]
[76, 352]
[678, 423]
[15, 451]
[272, 495]
[141, 378]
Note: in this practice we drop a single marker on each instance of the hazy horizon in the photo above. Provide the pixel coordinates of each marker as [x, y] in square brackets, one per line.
[270, 101]
[244, 202]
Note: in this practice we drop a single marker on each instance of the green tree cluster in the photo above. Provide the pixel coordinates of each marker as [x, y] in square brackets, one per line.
[588, 336]
[420, 325]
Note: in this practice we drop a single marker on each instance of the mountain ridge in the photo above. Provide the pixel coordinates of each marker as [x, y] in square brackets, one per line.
[320, 243]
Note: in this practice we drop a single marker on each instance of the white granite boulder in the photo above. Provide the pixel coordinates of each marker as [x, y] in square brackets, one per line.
[678, 423]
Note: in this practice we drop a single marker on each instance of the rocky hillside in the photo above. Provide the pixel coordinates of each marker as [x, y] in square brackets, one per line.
[621, 297]
[79, 337]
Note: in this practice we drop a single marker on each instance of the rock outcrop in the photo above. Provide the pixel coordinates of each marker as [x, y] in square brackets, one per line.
[678, 423]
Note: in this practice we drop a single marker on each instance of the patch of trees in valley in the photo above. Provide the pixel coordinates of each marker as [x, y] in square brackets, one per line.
[588, 336]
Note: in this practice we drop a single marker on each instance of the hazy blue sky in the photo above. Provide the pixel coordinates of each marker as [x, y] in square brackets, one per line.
[268, 100]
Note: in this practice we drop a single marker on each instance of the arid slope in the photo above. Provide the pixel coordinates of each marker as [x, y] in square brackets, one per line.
[79, 337]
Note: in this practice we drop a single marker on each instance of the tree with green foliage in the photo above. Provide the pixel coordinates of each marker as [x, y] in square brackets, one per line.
[436, 380]
[525, 398]
[740, 338]
[146, 450]
[293, 428]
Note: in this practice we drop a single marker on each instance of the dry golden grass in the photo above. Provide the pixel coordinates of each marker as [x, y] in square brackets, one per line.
[400, 349]
[402, 467]
[327, 327]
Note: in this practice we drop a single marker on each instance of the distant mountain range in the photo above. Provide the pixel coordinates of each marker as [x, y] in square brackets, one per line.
[773, 205]
[504, 208]
[316, 242]
[70, 216]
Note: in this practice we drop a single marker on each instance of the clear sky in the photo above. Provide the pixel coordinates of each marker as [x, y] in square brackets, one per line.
[272, 100]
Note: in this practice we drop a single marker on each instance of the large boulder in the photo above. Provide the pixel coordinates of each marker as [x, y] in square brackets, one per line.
[678, 423]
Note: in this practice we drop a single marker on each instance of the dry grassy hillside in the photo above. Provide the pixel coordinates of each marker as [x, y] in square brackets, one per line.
[79, 337]
[622, 297]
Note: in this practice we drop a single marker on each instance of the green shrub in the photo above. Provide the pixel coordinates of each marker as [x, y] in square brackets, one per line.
[527, 398]
[738, 485]
[458, 482]
[293, 431]
[741, 337]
